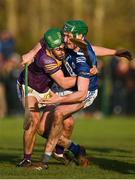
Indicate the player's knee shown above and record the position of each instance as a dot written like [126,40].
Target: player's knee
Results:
[35,121]
[40,130]
[58,116]
[68,124]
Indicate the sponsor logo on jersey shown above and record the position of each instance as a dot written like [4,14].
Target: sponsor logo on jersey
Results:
[80,59]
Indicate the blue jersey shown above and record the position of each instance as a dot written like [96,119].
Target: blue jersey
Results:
[91,55]
[76,64]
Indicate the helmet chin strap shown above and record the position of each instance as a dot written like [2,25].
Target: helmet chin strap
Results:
[79,37]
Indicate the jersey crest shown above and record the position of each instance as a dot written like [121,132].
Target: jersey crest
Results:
[80,59]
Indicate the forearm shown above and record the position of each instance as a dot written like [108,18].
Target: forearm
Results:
[76,97]
[62,81]
[101,51]
[28,57]
[68,82]
[34,51]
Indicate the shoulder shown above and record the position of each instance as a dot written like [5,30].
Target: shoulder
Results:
[89,47]
[44,59]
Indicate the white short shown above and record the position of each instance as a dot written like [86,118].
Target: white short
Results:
[87,102]
[37,95]
[60,92]
[31,92]
[91,96]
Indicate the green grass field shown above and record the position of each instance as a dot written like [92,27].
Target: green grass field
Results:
[110,144]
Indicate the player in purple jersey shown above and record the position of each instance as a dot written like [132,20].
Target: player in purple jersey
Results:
[44,70]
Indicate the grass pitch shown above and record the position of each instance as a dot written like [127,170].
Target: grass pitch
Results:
[110,144]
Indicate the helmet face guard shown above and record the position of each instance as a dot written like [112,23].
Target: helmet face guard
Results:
[76,27]
[53,38]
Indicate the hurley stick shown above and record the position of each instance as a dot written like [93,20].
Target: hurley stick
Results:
[27,119]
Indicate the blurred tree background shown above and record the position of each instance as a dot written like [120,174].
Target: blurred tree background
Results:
[111,22]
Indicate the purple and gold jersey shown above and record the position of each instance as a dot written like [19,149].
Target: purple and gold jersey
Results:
[40,71]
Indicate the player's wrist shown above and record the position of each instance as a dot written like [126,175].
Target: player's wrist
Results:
[60,99]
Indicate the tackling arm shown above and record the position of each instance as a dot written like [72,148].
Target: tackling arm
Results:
[28,57]
[101,51]
[75,97]
[62,81]
[78,96]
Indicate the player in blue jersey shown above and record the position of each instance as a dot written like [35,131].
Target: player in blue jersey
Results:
[81,96]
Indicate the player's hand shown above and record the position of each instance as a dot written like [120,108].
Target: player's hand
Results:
[124,53]
[26,59]
[53,99]
[93,70]
[79,42]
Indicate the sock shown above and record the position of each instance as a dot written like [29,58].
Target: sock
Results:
[59,149]
[27,156]
[46,157]
[74,148]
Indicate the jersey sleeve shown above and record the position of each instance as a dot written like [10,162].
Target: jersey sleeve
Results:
[91,55]
[49,64]
[42,43]
[82,68]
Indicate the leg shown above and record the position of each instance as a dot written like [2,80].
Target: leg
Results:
[29,135]
[68,126]
[60,113]
[44,130]
[46,123]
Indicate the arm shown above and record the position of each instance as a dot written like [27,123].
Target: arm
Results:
[62,81]
[101,51]
[78,96]
[28,57]
[75,97]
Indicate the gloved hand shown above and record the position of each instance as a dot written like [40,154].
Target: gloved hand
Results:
[124,53]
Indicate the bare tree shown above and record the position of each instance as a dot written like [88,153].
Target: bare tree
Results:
[11,12]
[99,13]
[45,15]
[78,9]
[33,18]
